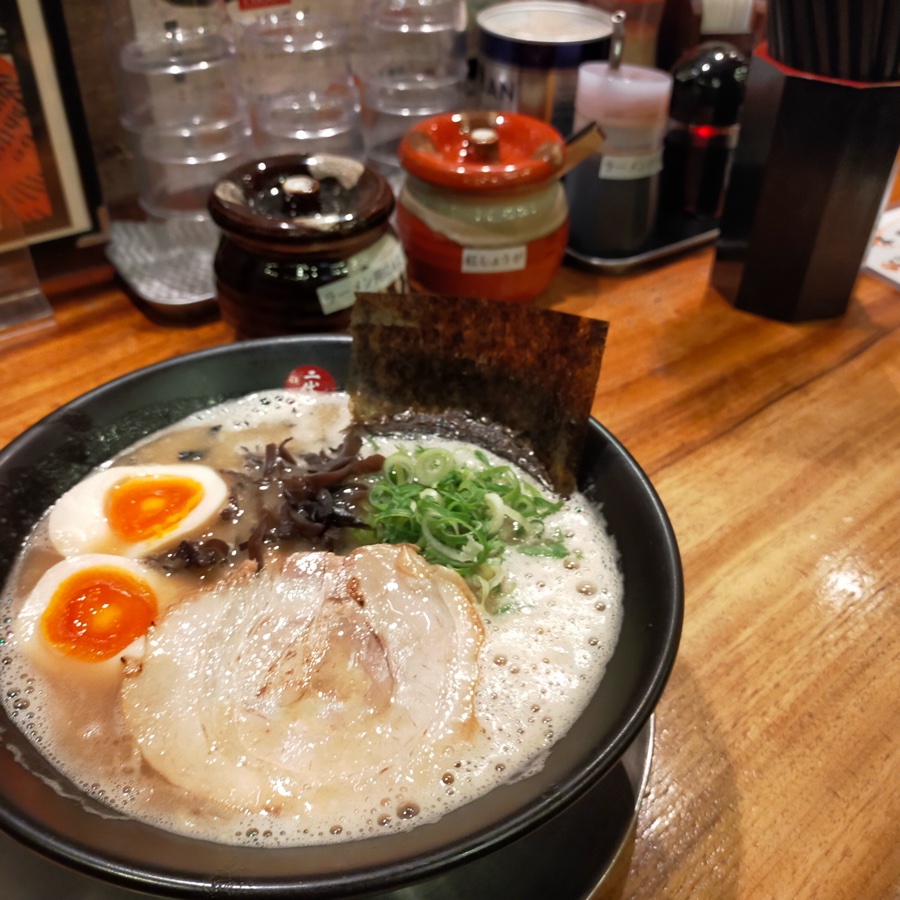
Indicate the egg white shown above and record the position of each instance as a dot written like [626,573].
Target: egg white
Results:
[78,522]
[27,624]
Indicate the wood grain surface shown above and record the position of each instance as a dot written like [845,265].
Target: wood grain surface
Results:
[776,450]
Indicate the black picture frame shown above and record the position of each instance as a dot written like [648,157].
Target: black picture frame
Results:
[47,168]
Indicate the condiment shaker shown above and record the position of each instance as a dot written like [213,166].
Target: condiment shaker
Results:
[613,194]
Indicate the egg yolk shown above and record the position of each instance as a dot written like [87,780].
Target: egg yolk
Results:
[150,506]
[96,613]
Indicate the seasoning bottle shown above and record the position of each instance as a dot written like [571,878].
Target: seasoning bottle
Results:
[703,129]
[613,194]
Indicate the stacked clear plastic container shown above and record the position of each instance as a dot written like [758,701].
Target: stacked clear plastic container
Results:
[204,87]
[299,85]
[411,66]
[182,102]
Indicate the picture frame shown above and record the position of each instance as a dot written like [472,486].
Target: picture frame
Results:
[48,176]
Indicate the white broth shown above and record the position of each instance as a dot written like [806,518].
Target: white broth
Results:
[413,710]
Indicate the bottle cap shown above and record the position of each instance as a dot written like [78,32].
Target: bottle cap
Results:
[709,84]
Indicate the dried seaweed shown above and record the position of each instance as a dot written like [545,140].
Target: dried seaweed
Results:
[531,371]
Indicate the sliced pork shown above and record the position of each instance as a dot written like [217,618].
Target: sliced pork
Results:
[306,681]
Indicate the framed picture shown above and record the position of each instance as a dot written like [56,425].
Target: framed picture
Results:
[47,173]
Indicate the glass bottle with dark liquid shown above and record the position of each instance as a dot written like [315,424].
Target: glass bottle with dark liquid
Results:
[703,130]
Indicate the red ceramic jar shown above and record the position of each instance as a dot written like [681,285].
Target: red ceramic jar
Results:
[300,236]
[482,213]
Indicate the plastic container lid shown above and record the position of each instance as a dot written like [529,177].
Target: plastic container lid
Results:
[301,199]
[628,93]
[482,151]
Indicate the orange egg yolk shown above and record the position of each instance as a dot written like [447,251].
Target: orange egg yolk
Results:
[150,506]
[96,613]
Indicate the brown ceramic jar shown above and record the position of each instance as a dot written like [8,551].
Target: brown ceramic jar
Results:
[300,236]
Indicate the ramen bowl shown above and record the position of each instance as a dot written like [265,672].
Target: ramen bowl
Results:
[42,809]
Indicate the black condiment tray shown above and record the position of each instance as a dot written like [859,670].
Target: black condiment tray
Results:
[670,236]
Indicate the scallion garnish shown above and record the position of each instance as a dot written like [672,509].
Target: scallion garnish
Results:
[461,515]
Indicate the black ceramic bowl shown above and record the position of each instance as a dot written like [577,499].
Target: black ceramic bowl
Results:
[43,810]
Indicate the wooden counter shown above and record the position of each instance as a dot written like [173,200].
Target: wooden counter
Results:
[776,450]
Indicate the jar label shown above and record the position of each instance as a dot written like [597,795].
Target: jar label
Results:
[377,268]
[543,93]
[630,168]
[483,260]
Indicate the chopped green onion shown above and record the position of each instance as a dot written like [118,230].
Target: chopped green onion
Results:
[461,515]
[432,465]
[398,469]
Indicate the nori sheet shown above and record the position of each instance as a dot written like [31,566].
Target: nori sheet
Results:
[532,371]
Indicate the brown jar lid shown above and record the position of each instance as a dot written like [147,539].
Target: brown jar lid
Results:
[301,199]
[482,151]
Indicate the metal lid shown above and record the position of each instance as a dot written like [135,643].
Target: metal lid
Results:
[544,34]
[301,199]
[482,151]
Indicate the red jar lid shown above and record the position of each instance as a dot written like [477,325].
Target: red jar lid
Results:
[482,151]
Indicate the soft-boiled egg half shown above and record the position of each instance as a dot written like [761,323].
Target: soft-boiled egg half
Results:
[93,609]
[136,510]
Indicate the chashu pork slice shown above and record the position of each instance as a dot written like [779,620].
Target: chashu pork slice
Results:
[300,683]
